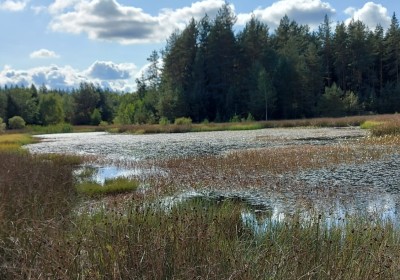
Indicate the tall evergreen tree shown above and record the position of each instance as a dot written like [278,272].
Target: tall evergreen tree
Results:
[341,55]
[392,54]
[220,62]
[86,99]
[325,36]
[177,79]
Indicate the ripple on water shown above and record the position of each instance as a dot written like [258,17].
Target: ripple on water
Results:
[371,188]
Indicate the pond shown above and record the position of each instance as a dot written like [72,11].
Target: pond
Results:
[371,188]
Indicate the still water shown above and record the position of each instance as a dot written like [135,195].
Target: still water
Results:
[371,188]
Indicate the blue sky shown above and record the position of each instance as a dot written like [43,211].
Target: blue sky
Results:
[61,43]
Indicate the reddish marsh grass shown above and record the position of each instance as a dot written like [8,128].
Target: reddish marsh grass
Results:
[36,197]
[41,238]
[260,168]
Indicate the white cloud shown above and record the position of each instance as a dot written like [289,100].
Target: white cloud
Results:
[118,77]
[371,14]
[309,12]
[43,53]
[59,6]
[107,70]
[111,21]
[13,6]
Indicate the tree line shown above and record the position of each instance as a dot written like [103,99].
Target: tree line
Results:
[210,72]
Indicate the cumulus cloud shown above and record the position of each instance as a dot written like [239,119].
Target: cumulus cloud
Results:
[117,77]
[371,14]
[109,20]
[309,12]
[43,53]
[13,6]
[107,70]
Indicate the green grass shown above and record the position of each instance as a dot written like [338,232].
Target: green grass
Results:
[370,124]
[112,186]
[14,142]
[56,128]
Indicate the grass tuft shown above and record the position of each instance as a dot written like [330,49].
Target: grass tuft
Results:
[112,186]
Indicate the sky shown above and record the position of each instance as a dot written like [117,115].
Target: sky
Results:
[61,43]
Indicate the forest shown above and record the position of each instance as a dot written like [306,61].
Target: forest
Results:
[211,72]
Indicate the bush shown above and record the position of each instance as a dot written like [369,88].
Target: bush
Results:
[95,117]
[16,122]
[163,121]
[235,118]
[183,121]
[2,126]
[250,118]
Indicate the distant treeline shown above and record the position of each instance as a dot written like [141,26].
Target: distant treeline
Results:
[211,73]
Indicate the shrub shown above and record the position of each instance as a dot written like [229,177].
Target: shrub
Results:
[95,117]
[2,125]
[103,123]
[235,118]
[250,118]
[16,122]
[163,121]
[183,121]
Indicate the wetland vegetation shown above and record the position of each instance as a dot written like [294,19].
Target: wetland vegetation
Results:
[245,210]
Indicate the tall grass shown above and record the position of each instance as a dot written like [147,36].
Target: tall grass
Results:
[36,197]
[42,235]
[209,240]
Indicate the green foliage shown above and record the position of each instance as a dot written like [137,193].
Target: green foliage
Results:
[16,122]
[112,186]
[163,121]
[95,117]
[183,121]
[331,103]
[370,124]
[250,118]
[54,128]
[3,104]
[235,118]
[51,110]
[85,100]
[103,124]
[350,103]
[2,125]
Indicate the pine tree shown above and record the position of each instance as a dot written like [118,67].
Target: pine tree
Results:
[392,54]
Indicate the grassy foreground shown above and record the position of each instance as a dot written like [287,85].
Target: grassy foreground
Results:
[42,236]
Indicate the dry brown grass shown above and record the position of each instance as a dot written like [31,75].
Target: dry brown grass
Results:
[262,167]
[316,122]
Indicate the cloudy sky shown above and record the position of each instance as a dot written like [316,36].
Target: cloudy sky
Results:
[61,43]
